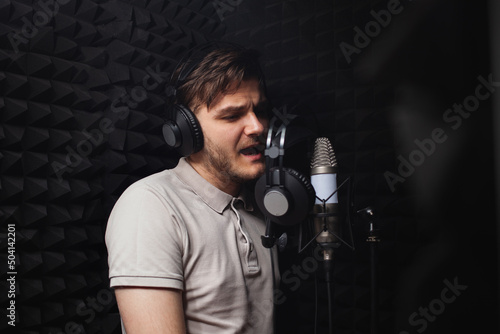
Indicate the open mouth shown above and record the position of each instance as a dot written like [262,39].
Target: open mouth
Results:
[252,150]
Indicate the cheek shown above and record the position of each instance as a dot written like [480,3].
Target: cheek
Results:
[227,137]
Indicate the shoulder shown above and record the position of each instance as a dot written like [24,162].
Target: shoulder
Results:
[160,185]
[145,198]
[157,181]
[147,208]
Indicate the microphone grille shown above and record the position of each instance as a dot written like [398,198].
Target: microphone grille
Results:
[323,160]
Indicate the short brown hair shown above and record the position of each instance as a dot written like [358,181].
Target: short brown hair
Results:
[215,74]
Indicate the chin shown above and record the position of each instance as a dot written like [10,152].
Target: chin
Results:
[258,172]
[251,173]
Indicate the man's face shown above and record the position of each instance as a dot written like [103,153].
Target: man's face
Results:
[233,130]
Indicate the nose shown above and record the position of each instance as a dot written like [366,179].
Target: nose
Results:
[254,125]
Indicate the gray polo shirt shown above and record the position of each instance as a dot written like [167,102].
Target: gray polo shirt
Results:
[173,229]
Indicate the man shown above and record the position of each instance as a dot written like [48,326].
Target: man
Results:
[184,244]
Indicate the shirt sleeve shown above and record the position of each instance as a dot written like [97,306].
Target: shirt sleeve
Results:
[144,241]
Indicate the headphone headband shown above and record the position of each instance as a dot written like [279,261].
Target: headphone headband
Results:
[272,152]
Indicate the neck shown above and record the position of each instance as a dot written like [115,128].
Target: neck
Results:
[215,177]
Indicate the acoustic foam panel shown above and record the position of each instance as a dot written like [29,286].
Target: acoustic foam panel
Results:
[62,170]
[83,74]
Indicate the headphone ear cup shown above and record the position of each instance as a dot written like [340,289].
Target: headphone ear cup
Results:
[183,131]
[288,204]
[306,188]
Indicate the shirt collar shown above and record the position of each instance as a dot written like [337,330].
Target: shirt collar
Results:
[246,196]
[211,195]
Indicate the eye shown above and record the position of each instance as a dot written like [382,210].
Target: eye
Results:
[231,117]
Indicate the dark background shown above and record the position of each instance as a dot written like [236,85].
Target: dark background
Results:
[100,68]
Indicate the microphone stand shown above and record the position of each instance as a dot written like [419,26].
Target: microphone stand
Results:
[373,240]
[328,248]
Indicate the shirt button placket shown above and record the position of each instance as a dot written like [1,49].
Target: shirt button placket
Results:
[248,254]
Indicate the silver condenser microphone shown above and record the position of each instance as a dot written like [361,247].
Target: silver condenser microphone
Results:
[326,208]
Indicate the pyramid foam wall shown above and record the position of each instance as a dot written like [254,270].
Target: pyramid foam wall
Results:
[83,94]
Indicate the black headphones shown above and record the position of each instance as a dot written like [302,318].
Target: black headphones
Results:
[284,195]
[181,130]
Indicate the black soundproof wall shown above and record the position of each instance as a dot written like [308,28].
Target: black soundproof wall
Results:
[83,86]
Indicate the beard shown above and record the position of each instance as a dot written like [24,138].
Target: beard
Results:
[220,164]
